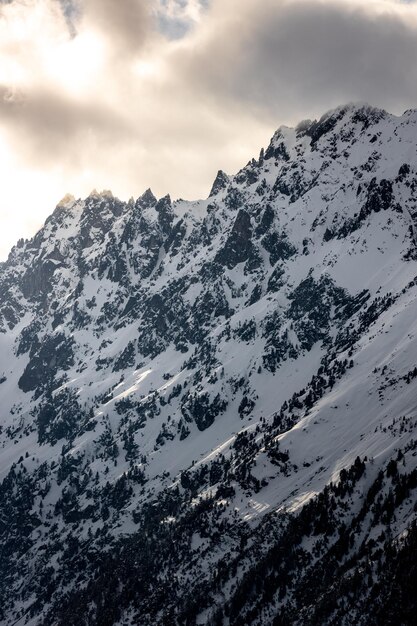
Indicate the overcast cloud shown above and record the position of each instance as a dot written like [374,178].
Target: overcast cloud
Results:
[126,94]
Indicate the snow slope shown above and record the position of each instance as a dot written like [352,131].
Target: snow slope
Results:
[187,385]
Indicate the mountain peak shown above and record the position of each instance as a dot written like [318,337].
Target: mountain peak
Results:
[190,389]
[358,112]
[66,201]
[105,193]
[146,200]
[220,183]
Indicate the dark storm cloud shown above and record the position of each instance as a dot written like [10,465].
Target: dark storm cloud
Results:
[50,126]
[287,58]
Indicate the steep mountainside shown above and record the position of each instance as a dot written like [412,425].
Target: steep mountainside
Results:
[209,409]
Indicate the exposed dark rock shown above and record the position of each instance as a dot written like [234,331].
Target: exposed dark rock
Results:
[266,221]
[278,246]
[165,214]
[220,183]
[52,354]
[36,282]
[238,245]
[146,200]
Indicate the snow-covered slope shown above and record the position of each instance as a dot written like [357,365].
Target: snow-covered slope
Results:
[208,409]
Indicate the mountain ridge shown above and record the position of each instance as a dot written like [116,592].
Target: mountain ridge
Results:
[206,403]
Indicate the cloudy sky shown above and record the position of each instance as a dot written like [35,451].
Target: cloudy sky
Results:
[127,94]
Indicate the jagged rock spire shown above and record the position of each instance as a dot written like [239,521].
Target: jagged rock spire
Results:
[220,182]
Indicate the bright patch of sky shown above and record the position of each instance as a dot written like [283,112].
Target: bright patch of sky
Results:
[175,18]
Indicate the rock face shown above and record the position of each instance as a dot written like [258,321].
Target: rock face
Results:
[238,245]
[208,408]
[220,183]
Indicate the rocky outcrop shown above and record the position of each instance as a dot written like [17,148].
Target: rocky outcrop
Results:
[220,183]
[238,245]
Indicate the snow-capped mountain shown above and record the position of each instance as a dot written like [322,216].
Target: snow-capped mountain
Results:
[209,409]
